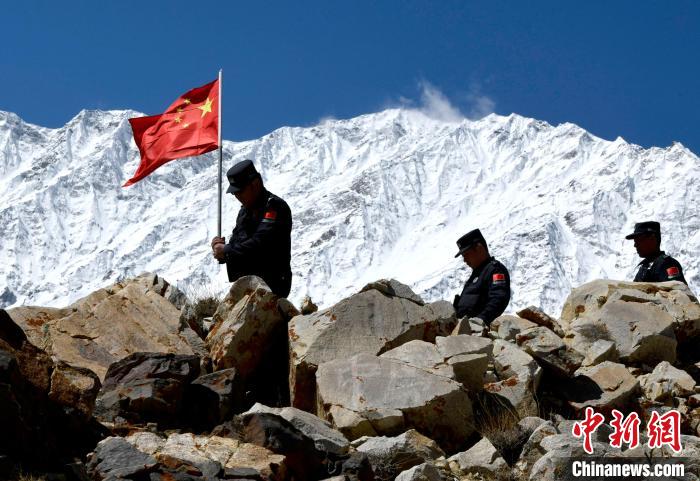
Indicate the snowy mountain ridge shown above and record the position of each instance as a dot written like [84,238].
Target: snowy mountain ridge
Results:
[380,195]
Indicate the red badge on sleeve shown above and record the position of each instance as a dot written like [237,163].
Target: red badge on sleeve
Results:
[498,278]
[672,271]
[270,215]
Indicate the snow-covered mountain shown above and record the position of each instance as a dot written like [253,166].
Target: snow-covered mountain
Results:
[380,195]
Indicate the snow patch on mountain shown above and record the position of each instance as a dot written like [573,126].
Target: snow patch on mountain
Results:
[380,195]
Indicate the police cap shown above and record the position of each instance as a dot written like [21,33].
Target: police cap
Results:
[241,175]
[642,228]
[468,240]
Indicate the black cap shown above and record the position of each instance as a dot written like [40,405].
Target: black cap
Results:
[469,240]
[241,175]
[641,228]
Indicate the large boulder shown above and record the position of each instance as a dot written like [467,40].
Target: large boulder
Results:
[666,382]
[250,334]
[544,345]
[45,406]
[604,387]
[390,456]
[462,358]
[107,325]
[147,387]
[369,395]
[373,321]
[644,320]
[507,326]
[481,459]
[519,377]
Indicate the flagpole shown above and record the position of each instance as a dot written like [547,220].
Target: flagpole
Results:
[221,152]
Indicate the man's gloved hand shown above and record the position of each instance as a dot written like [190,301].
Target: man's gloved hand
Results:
[217,247]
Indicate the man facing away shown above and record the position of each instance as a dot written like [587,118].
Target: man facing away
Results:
[655,266]
[260,244]
[487,291]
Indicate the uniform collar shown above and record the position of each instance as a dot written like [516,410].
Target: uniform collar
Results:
[481,266]
[651,258]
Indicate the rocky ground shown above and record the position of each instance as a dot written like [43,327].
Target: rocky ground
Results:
[136,382]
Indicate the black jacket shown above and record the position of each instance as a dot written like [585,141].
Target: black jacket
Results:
[486,293]
[659,268]
[260,244]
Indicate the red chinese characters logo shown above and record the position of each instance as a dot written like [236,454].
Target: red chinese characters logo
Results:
[663,429]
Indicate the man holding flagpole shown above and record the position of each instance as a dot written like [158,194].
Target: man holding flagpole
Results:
[260,244]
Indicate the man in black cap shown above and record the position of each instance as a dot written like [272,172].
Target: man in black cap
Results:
[656,266]
[260,244]
[487,291]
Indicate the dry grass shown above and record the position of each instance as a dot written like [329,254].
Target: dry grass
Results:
[499,424]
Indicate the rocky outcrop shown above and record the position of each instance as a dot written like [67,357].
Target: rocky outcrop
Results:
[382,317]
[519,377]
[107,325]
[369,395]
[603,387]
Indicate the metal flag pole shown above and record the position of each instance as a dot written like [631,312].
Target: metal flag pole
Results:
[221,153]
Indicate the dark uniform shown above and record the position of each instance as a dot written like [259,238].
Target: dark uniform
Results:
[486,293]
[260,244]
[657,267]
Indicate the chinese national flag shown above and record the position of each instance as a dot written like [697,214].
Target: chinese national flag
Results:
[190,126]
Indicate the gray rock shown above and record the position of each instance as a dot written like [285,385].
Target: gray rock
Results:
[213,398]
[506,327]
[115,458]
[324,436]
[368,395]
[393,288]
[519,376]
[482,458]
[391,455]
[146,387]
[422,472]
[544,345]
[604,386]
[369,322]
[601,350]
[666,382]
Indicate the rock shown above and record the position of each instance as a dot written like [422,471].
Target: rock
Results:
[544,345]
[559,449]
[245,323]
[462,358]
[422,472]
[601,350]
[603,387]
[74,387]
[102,327]
[209,456]
[462,327]
[665,382]
[325,438]
[146,387]
[369,322]
[506,327]
[194,312]
[520,376]
[44,406]
[539,317]
[287,309]
[308,306]
[387,397]
[482,458]
[390,456]
[393,288]
[175,296]
[213,398]
[643,319]
[532,450]
[115,458]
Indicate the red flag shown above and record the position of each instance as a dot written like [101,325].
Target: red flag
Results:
[190,126]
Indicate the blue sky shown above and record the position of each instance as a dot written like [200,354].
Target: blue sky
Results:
[627,68]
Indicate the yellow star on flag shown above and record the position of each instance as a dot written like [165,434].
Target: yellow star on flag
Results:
[179,109]
[185,125]
[205,107]
[187,101]
[178,119]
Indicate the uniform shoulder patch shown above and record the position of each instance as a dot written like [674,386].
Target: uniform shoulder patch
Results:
[270,215]
[498,278]
[672,271]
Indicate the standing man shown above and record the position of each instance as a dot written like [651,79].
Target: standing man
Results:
[487,291]
[655,266]
[260,244]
